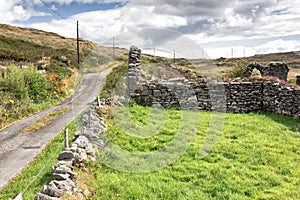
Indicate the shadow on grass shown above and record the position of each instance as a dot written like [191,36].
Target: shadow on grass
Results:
[292,123]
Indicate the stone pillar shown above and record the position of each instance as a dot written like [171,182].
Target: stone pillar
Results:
[298,79]
[134,69]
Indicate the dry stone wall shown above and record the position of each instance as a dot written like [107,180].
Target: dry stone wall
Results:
[237,97]
[298,79]
[82,149]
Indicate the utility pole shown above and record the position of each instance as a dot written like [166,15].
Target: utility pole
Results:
[114,53]
[174,56]
[78,51]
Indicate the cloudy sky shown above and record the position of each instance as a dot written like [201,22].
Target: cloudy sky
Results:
[220,27]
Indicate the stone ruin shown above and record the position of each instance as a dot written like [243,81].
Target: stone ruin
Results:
[236,97]
[279,70]
[298,79]
[134,68]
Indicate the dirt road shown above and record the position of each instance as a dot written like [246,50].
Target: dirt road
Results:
[17,149]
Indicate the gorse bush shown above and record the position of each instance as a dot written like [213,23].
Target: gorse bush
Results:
[25,84]
[238,69]
[24,91]
[21,90]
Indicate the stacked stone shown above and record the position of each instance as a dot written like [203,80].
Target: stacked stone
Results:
[249,69]
[244,97]
[79,151]
[203,96]
[134,68]
[63,176]
[279,70]
[154,94]
[298,79]
[230,97]
[281,99]
[217,97]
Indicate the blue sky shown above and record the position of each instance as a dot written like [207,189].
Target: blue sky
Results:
[220,27]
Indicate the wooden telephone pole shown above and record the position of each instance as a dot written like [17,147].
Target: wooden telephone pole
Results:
[114,52]
[78,51]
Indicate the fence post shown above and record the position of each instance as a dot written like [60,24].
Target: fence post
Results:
[99,102]
[18,197]
[66,138]
[90,120]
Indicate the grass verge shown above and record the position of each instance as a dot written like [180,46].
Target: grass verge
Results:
[49,155]
[256,157]
[42,122]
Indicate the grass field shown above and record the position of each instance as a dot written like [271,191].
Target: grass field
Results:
[255,157]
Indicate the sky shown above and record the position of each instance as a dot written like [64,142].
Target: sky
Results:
[191,28]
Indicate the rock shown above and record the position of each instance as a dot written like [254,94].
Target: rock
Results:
[90,150]
[64,163]
[52,191]
[40,196]
[66,185]
[78,133]
[77,158]
[60,177]
[65,170]
[82,155]
[82,141]
[66,155]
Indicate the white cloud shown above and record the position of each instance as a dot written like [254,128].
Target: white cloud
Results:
[103,25]
[278,46]
[202,21]
[67,2]
[273,46]
[15,10]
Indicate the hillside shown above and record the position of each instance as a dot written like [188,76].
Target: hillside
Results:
[23,89]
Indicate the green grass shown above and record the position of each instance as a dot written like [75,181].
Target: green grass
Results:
[113,78]
[49,154]
[256,157]
[43,121]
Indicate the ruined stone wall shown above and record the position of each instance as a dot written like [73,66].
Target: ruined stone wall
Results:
[230,97]
[279,70]
[133,68]
[226,97]
[298,79]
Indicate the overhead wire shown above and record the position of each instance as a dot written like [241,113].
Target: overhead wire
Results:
[53,10]
[68,20]
[82,28]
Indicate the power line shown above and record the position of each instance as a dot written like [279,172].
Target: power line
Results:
[66,19]
[54,11]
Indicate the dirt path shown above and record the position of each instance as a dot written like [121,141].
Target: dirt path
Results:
[17,149]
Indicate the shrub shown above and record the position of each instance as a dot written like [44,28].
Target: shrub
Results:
[37,85]
[238,69]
